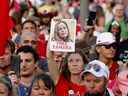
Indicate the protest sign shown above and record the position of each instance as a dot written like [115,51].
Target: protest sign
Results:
[62,35]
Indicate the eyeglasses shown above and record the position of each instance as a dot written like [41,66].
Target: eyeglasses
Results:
[33,42]
[95,67]
[113,45]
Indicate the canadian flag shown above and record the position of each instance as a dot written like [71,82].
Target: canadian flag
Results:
[4,21]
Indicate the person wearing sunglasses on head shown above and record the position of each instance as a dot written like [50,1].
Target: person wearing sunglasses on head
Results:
[106,49]
[95,77]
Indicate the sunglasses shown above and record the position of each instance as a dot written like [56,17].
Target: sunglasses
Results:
[113,45]
[95,67]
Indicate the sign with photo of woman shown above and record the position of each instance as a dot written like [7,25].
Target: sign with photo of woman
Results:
[62,35]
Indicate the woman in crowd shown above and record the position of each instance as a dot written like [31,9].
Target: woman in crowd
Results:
[69,77]
[6,87]
[116,30]
[42,85]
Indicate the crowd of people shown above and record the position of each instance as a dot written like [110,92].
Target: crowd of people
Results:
[97,67]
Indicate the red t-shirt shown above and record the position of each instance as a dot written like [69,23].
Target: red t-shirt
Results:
[63,86]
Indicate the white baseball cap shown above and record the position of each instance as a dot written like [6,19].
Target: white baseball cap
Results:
[97,68]
[105,38]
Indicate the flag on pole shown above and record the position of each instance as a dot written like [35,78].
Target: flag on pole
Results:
[4,20]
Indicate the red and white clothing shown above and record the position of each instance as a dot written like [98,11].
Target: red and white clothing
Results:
[63,86]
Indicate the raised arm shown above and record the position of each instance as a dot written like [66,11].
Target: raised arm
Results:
[53,66]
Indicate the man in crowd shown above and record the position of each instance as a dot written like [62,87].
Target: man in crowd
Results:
[7,62]
[31,39]
[28,60]
[95,77]
[106,49]
[30,26]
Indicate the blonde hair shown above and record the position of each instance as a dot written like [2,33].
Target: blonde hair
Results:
[56,31]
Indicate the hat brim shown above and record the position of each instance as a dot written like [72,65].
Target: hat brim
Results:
[98,74]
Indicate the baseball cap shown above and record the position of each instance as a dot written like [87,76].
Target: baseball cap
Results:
[105,38]
[97,68]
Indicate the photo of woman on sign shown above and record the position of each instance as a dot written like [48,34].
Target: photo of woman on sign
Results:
[62,35]
[61,32]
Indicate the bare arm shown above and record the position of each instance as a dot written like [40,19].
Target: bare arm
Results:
[53,68]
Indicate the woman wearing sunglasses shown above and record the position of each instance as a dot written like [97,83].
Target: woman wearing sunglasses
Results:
[95,77]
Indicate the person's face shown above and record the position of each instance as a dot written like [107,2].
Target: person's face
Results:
[107,51]
[94,84]
[119,11]
[39,89]
[5,59]
[29,27]
[46,20]
[30,40]
[62,31]
[31,12]
[27,64]
[75,63]
[3,90]
[115,29]
[25,14]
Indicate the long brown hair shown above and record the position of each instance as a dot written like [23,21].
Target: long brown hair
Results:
[65,70]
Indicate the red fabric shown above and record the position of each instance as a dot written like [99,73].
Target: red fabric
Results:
[41,46]
[16,6]
[78,28]
[113,74]
[113,71]
[63,86]
[11,23]
[4,20]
